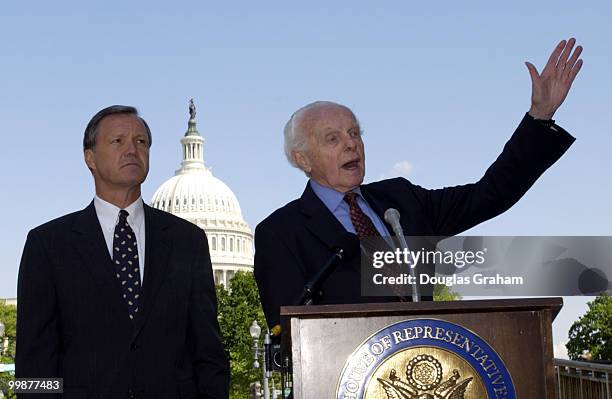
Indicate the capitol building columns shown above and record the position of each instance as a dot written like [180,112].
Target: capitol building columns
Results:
[194,194]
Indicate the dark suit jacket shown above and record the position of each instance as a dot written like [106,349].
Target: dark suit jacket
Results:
[295,241]
[72,321]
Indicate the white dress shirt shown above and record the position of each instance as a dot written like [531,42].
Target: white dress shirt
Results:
[108,216]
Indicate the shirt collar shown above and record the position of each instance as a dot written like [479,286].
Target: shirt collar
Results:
[330,197]
[108,214]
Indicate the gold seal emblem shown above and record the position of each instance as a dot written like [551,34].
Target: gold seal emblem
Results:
[428,373]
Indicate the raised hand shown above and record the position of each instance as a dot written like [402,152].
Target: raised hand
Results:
[549,89]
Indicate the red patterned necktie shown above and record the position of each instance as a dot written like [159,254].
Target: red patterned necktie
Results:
[362,223]
[365,228]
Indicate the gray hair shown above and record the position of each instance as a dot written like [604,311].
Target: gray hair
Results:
[295,139]
[89,137]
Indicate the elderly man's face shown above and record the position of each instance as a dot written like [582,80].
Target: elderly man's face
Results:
[120,158]
[335,157]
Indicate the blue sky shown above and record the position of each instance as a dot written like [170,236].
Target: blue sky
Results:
[438,88]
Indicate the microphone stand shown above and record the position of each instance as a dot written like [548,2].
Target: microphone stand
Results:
[392,216]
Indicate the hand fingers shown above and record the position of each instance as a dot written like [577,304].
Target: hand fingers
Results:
[533,72]
[574,71]
[554,57]
[565,54]
[572,61]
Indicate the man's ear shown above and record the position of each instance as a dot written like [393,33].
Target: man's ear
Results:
[90,159]
[302,161]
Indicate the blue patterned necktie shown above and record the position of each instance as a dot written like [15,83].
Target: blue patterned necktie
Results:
[125,258]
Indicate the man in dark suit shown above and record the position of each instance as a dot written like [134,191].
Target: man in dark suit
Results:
[323,139]
[118,299]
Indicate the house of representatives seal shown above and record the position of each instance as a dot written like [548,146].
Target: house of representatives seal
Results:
[424,359]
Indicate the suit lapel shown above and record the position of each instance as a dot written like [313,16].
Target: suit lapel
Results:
[91,247]
[320,221]
[157,252]
[377,207]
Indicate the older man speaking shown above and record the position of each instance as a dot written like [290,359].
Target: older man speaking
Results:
[323,139]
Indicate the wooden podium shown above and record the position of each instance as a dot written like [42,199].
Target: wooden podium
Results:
[321,339]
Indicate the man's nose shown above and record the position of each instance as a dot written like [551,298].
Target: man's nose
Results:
[350,142]
[130,148]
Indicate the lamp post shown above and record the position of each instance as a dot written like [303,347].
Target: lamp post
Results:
[255,390]
[255,331]
[2,329]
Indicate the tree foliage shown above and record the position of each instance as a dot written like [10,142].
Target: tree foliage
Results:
[590,337]
[8,316]
[443,293]
[238,307]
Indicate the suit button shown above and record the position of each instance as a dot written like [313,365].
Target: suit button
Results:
[131,394]
[134,346]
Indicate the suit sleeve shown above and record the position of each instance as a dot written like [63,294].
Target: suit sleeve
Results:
[210,362]
[278,272]
[531,150]
[38,336]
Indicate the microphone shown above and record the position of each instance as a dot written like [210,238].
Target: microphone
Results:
[345,248]
[392,217]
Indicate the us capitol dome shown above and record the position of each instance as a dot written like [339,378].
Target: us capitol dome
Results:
[194,194]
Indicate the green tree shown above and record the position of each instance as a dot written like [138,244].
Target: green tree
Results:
[591,336]
[8,316]
[238,307]
[443,293]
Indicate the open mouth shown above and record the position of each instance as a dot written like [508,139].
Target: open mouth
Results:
[352,164]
